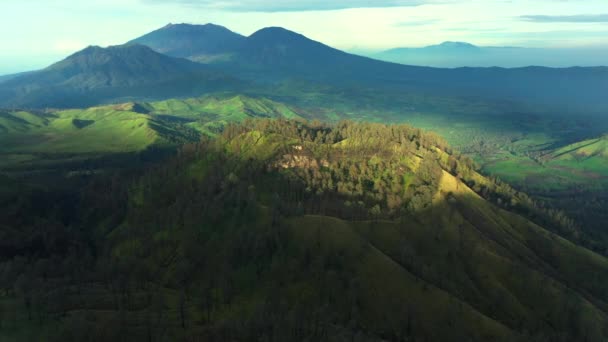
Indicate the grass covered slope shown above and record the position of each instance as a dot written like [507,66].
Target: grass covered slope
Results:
[286,230]
[211,113]
[63,135]
[37,137]
[589,156]
[583,163]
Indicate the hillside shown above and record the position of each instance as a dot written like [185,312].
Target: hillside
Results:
[585,151]
[289,230]
[211,113]
[567,166]
[31,138]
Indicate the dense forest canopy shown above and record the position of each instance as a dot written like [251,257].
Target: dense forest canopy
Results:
[294,230]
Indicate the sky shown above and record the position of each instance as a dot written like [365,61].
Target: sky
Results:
[36,33]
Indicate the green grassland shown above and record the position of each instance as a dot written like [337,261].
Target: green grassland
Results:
[39,138]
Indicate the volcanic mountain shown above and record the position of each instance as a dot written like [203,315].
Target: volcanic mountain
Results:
[198,42]
[96,75]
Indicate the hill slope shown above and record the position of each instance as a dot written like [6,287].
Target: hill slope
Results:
[31,137]
[583,150]
[294,231]
[371,220]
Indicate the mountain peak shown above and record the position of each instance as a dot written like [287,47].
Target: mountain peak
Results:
[185,27]
[133,60]
[452,43]
[124,51]
[455,45]
[188,40]
[276,33]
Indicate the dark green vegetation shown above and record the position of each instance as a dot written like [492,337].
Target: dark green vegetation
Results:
[519,148]
[287,230]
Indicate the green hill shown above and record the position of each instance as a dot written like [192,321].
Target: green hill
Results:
[210,114]
[287,230]
[125,128]
[589,157]
[64,135]
[371,220]
[583,163]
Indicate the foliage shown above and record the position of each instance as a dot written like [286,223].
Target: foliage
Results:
[292,230]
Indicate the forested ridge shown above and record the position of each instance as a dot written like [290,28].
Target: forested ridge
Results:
[291,230]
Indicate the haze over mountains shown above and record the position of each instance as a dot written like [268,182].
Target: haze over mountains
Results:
[461,54]
[274,55]
[112,74]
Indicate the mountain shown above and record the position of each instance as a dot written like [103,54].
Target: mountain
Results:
[446,54]
[460,54]
[95,75]
[453,47]
[289,230]
[276,46]
[4,78]
[204,43]
[273,56]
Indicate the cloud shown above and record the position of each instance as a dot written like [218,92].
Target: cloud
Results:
[295,5]
[417,22]
[579,18]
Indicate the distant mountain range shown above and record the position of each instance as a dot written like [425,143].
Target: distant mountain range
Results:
[461,54]
[275,55]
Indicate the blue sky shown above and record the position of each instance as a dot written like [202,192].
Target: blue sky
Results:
[35,33]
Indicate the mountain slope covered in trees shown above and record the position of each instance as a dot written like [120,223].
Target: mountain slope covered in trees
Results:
[288,230]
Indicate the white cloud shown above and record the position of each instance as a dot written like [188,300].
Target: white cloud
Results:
[297,5]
